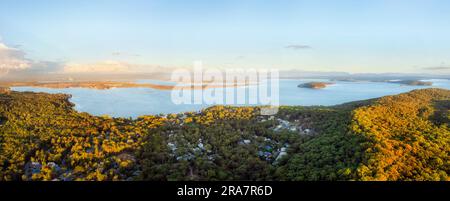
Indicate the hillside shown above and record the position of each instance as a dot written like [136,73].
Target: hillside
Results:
[401,137]
[408,136]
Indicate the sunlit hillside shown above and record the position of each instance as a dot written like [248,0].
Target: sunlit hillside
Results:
[401,137]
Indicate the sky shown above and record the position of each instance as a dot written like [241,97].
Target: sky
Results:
[372,36]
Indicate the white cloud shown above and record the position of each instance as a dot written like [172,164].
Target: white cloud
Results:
[12,59]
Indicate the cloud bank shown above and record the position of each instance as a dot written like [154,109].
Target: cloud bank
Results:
[99,67]
[112,67]
[12,59]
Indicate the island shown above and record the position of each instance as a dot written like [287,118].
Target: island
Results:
[412,82]
[315,85]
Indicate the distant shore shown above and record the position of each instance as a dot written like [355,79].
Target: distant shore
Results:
[102,85]
[108,84]
[412,82]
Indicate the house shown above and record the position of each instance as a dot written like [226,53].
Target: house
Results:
[172,146]
[285,125]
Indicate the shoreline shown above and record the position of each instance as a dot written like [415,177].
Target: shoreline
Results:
[104,85]
[338,105]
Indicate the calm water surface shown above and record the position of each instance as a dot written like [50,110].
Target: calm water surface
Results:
[134,102]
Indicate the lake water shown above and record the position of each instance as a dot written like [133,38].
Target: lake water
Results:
[134,102]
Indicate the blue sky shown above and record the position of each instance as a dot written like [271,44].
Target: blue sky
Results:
[347,35]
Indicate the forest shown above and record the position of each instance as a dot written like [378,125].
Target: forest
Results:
[393,138]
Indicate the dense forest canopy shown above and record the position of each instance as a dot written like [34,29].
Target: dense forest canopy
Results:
[401,137]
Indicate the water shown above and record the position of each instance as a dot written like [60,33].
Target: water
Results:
[135,102]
